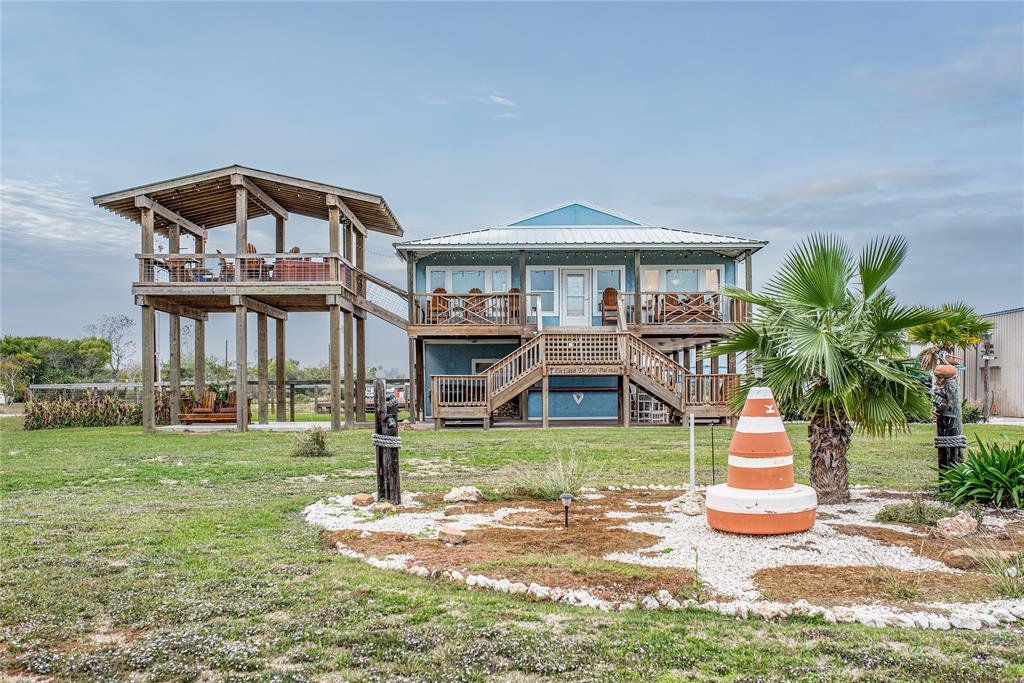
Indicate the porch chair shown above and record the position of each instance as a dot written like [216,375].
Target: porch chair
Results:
[255,268]
[437,306]
[227,269]
[610,306]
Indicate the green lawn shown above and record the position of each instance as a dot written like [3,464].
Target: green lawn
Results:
[179,556]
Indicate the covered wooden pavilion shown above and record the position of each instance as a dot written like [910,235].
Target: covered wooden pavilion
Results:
[196,283]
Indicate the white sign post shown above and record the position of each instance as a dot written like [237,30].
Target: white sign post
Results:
[693,462]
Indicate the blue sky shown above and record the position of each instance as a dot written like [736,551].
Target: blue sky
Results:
[760,120]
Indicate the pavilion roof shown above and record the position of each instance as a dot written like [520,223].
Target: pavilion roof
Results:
[208,199]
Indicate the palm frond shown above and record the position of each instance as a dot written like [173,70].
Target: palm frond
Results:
[879,261]
[815,274]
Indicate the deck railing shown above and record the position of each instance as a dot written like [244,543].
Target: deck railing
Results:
[458,391]
[648,360]
[484,308]
[684,308]
[200,269]
[711,389]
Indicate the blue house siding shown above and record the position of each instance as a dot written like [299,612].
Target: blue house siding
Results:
[574,214]
[595,405]
[456,358]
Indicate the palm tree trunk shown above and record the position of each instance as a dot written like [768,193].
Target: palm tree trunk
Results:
[830,442]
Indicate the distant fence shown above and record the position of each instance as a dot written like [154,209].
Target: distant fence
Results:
[303,391]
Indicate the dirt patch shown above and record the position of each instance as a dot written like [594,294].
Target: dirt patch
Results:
[830,586]
[935,548]
[544,552]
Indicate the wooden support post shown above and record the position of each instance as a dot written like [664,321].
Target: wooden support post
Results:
[412,401]
[280,364]
[199,353]
[148,375]
[421,380]
[523,298]
[360,388]
[241,369]
[335,365]
[279,235]
[263,367]
[544,401]
[291,402]
[637,284]
[750,270]
[174,336]
[350,403]
[624,405]
[241,232]
[334,238]
[386,425]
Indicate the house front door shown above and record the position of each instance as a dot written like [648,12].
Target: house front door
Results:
[576,297]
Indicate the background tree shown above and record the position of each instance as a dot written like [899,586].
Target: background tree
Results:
[15,375]
[961,328]
[119,332]
[61,361]
[833,343]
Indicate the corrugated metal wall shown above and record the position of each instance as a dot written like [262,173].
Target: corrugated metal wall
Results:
[1007,373]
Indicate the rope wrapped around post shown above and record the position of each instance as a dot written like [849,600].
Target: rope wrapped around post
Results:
[950,441]
[386,443]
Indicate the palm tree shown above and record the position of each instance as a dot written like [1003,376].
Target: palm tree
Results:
[833,345]
[960,329]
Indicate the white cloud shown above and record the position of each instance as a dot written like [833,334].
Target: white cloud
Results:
[500,101]
[58,213]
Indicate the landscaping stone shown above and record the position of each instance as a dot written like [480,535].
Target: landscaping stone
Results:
[538,592]
[384,507]
[691,504]
[844,615]
[975,556]
[663,596]
[968,622]
[954,527]
[452,510]
[938,622]
[900,621]
[517,588]
[363,499]
[451,535]
[464,494]
[650,603]
[673,605]
[457,576]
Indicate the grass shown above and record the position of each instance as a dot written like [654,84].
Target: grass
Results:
[917,511]
[178,556]
[565,473]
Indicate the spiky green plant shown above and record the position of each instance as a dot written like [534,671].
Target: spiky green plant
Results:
[992,475]
[833,343]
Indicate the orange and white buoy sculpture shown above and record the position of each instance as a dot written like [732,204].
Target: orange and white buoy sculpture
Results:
[760,496]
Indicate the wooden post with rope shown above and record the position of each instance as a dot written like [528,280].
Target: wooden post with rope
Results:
[949,430]
[387,443]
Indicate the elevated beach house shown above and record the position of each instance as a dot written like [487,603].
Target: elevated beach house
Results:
[575,313]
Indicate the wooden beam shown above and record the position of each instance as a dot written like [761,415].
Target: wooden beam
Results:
[263,367]
[335,200]
[750,270]
[199,355]
[257,306]
[334,238]
[638,282]
[361,334]
[334,353]
[410,400]
[170,307]
[544,401]
[148,246]
[522,288]
[350,398]
[241,231]
[241,369]
[174,361]
[144,202]
[280,361]
[279,235]
[237,179]
[148,375]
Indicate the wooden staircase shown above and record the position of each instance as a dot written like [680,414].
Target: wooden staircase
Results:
[576,353]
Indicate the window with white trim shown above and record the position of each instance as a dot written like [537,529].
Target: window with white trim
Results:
[605,277]
[461,279]
[544,281]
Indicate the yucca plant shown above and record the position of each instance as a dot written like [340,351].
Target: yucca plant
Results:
[833,343]
[992,475]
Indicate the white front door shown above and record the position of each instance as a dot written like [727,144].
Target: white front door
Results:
[576,297]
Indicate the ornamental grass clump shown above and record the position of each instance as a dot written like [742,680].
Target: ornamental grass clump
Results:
[991,475]
[565,473]
[917,511]
[312,444]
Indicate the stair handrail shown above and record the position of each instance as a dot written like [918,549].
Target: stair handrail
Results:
[511,368]
[666,371]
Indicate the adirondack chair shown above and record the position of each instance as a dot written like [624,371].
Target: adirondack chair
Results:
[513,305]
[437,306]
[255,268]
[610,306]
[227,269]
[475,306]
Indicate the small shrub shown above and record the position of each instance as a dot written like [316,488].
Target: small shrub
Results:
[917,511]
[312,444]
[991,475]
[970,413]
[565,473]
[898,585]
